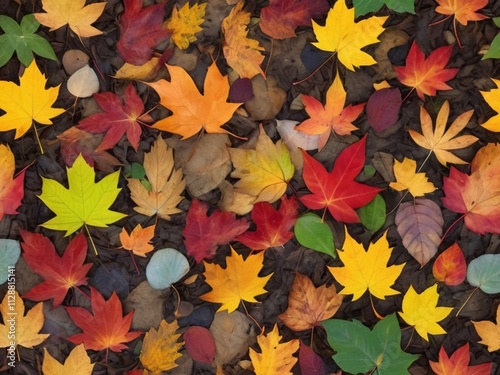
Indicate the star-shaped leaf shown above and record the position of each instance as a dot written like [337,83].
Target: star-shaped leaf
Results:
[462,11]
[160,348]
[458,363]
[489,332]
[185,23]
[138,241]
[407,178]
[77,363]
[492,97]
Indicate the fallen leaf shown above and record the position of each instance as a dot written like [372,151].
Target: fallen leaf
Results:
[407,177]
[458,363]
[295,139]
[11,189]
[310,362]
[77,363]
[139,240]
[200,344]
[491,97]
[314,233]
[166,266]
[372,6]
[234,201]
[489,332]
[10,251]
[185,23]
[382,108]
[450,266]
[462,11]
[83,83]
[484,272]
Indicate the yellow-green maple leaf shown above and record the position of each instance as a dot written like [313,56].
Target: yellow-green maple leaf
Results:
[28,102]
[185,23]
[408,178]
[492,97]
[77,363]
[341,34]
[84,202]
[366,270]
[421,311]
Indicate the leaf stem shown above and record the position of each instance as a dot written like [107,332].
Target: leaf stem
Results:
[176,312]
[374,310]
[135,263]
[251,317]
[315,70]
[91,239]
[451,226]
[409,340]
[465,303]
[38,139]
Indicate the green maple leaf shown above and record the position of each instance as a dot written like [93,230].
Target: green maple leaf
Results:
[369,6]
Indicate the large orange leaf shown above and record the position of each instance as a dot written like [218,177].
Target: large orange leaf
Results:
[463,11]
[11,189]
[458,363]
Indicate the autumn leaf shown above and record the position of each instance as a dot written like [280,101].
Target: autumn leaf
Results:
[185,23]
[421,311]
[238,282]
[28,102]
[337,190]
[27,327]
[310,362]
[201,112]
[138,241]
[167,183]
[308,305]
[440,141]
[160,348]
[84,203]
[273,226]
[366,270]
[73,13]
[11,189]
[77,362]
[407,177]
[106,328]
[264,172]
[492,98]
[341,34]
[200,344]
[462,11]
[426,76]
[489,332]
[276,357]
[242,53]
[450,266]
[369,6]
[333,117]
[60,272]
[458,363]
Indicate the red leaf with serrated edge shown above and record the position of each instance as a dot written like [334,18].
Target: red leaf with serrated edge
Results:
[141,30]
[202,233]
[450,266]
[337,190]
[281,17]
[273,226]
[60,273]
[310,363]
[426,76]
[458,363]
[200,344]
[106,328]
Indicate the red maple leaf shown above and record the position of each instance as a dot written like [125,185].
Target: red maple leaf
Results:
[458,363]
[273,226]
[11,194]
[141,30]
[202,233]
[337,190]
[120,117]
[106,328]
[281,17]
[426,75]
[60,273]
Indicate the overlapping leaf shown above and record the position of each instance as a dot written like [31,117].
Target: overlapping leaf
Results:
[77,363]
[407,177]
[138,241]
[11,189]
[489,332]
[458,363]
[450,266]
[462,11]
[185,23]
[492,98]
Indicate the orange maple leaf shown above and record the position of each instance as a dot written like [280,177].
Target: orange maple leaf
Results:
[138,241]
[462,10]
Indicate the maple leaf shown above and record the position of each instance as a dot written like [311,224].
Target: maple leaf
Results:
[141,30]
[106,328]
[491,97]
[84,202]
[476,196]
[160,348]
[185,23]
[458,363]
[281,17]
[60,272]
[407,178]
[11,189]
[366,270]
[28,102]
[275,357]
[239,281]
[263,172]
[73,13]
[421,311]
[138,241]
[120,117]
[77,362]
[202,233]
[489,332]
[208,111]
[341,34]
[27,327]
[333,117]
[308,305]
[243,54]
[426,76]
[462,11]
[440,141]
[337,190]
[166,182]
[273,226]
[450,266]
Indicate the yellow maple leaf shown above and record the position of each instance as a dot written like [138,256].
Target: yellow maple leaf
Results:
[77,363]
[421,311]
[185,23]
[263,172]
[167,183]
[275,357]
[193,111]
[74,13]
[239,281]
[341,34]
[243,54]
[407,178]
[366,270]
[138,241]
[492,97]
[489,332]
[440,141]
[28,102]
[26,328]
[160,348]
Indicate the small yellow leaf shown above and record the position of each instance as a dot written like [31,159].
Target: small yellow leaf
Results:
[77,363]
[138,241]
[407,178]
[489,332]
[145,72]
[492,97]
[185,23]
